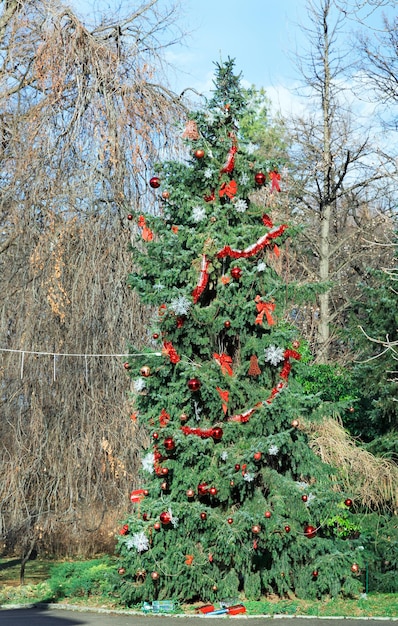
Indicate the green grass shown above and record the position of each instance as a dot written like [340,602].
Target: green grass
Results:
[84,583]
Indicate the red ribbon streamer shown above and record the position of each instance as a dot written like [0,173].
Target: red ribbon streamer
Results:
[285,371]
[199,432]
[203,280]
[244,417]
[265,240]
[275,178]
[225,362]
[170,351]
[137,495]
[224,395]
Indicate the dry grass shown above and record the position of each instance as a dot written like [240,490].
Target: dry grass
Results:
[372,480]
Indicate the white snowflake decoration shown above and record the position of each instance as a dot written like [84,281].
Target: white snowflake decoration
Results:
[148,462]
[274,355]
[180,305]
[240,205]
[251,148]
[273,450]
[139,541]
[248,477]
[139,384]
[224,455]
[208,173]
[173,520]
[310,498]
[261,266]
[302,485]
[198,213]
[158,286]
[244,178]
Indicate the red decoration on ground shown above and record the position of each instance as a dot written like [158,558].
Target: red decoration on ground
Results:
[310,531]
[154,182]
[194,384]
[259,178]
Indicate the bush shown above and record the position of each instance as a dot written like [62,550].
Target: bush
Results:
[81,578]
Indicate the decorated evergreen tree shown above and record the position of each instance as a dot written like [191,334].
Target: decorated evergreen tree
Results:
[231,499]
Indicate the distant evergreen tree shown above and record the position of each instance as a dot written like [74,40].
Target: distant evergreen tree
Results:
[230,498]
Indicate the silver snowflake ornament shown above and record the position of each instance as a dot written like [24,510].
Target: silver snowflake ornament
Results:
[274,355]
[139,541]
[180,305]
[273,450]
[198,213]
[139,384]
[240,205]
[148,462]
[261,266]
[248,477]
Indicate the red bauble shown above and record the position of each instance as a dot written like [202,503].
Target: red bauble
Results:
[190,493]
[310,531]
[296,344]
[155,575]
[155,435]
[165,471]
[213,491]
[164,486]
[146,492]
[121,571]
[351,409]
[129,217]
[183,417]
[166,195]
[203,515]
[236,273]
[126,366]
[267,514]
[295,423]
[217,433]
[156,526]
[165,517]
[145,371]
[194,384]
[145,517]
[257,456]
[287,528]
[348,502]
[355,568]
[214,588]
[315,573]
[202,489]
[230,520]
[304,498]
[237,467]
[155,336]
[199,154]
[260,178]
[256,529]
[154,182]
[169,443]
[227,324]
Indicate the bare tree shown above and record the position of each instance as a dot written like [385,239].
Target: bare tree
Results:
[83,115]
[342,186]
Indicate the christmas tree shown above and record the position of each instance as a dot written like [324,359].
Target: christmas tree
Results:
[231,500]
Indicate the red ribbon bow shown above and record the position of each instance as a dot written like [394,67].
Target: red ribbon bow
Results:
[275,178]
[264,308]
[225,361]
[147,234]
[164,418]
[170,351]
[228,189]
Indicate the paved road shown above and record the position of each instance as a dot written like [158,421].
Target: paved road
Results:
[42,616]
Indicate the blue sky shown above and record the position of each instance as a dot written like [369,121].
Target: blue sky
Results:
[262,36]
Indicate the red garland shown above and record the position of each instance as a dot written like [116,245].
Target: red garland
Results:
[225,362]
[244,417]
[285,371]
[229,165]
[203,280]
[265,240]
[170,351]
[199,432]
